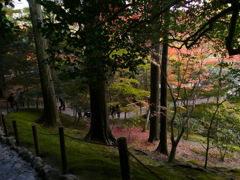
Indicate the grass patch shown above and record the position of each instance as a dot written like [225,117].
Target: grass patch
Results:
[86,160]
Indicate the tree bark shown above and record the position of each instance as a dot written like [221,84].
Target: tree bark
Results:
[99,129]
[162,147]
[2,82]
[218,104]
[154,97]
[146,122]
[50,116]
[173,152]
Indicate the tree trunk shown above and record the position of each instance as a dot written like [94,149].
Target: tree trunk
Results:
[99,129]
[154,97]
[146,122]
[2,82]
[218,104]
[162,147]
[173,152]
[50,116]
[187,130]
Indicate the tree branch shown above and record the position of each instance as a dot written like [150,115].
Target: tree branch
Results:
[202,31]
[231,32]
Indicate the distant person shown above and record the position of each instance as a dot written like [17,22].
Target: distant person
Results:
[113,111]
[148,99]
[62,104]
[87,113]
[118,110]
[11,101]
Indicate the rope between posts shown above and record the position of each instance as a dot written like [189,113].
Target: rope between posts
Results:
[73,137]
[88,141]
[25,129]
[48,134]
[152,172]
[39,132]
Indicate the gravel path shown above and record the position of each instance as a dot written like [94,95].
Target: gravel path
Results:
[12,167]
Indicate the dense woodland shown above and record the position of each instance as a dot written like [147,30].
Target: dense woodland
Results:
[176,60]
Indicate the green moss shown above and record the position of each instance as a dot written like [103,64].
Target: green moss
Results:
[209,177]
[91,161]
[196,138]
[236,148]
[236,170]
[86,160]
[199,175]
[198,151]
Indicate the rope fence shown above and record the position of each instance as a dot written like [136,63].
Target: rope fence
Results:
[124,152]
[152,172]
[51,134]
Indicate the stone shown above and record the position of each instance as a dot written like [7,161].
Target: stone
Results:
[44,170]
[37,163]
[53,174]
[36,159]
[13,147]
[29,156]
[23,152]
[18,149]
[14,167]
[68,177]
[4,139]
[10,140]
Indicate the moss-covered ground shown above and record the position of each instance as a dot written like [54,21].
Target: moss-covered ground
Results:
[98,162]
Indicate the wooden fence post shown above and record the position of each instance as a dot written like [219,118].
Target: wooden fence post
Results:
[63,151]
[35,138]
[124,161]
[14,122]
[4,125]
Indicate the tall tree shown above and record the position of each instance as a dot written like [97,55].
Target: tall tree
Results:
[154,97]
[3,51]
[7,30]
[219,103]
[82,33]
[50,116]
[188,68]
[162,147]
[96,38]
[89,32]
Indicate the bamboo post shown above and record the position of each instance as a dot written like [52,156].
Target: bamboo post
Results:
[35,138]
[63,151]
[15,132]
[124,161]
